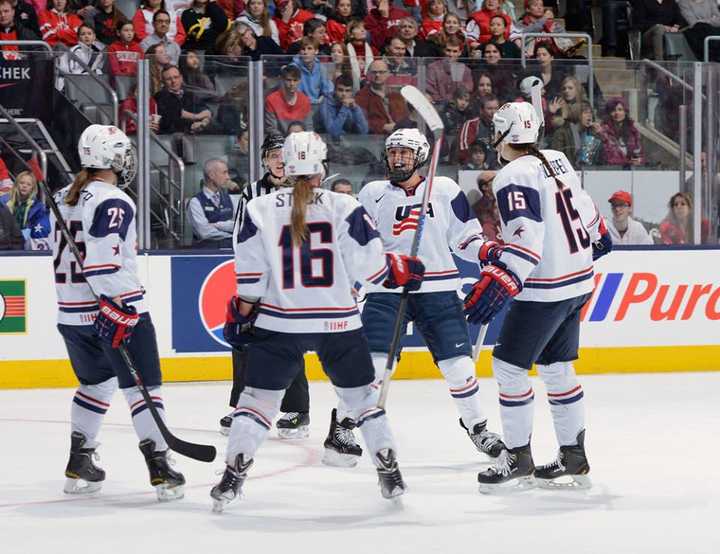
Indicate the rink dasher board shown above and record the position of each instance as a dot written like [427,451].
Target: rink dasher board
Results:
[651,311]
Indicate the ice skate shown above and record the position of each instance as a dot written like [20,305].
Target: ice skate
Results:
[569,470]
[389,476]
[485,441]
[230,486]
[83,476]
[513,471]
[294,425]
[225,424]
[341,448]
[168,483]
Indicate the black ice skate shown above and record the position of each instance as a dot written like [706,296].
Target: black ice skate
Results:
[513,471]
[389,476]
[168,483]
[485,441]
[294,425]
[569,470]
[341,448]
[230,486]
[83,476]
[226,423]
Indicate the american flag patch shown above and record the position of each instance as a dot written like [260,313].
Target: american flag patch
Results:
[409,223]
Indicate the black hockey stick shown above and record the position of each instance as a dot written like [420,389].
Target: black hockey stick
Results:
[426,110]
[201,452]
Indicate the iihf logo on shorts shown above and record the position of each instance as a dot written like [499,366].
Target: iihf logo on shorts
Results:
[407,218]
[215,292]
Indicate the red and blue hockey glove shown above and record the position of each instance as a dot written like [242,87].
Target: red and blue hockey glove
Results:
[114,324]
[404,271]
[490,252]
[604,244]
[238,330]
[490,293]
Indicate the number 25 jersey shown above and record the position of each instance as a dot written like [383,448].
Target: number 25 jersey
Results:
[548,228]
[102,224]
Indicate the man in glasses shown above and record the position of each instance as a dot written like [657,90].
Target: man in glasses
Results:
[623,228]
[161,26]
[383,108]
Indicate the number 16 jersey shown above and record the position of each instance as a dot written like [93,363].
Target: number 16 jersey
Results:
[548,228]
[102,224]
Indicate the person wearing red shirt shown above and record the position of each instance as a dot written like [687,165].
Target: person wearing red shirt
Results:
[144,18]
[478,26]
[433,17]
[125,53]
[384,109]
[382,22]
[57,25]
[290,20]
[338,21]
[287,104]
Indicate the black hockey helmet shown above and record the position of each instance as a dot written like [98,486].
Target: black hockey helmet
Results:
[273,141]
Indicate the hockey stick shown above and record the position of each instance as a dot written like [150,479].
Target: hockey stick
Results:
[201,452]
[478,346]
[426,110]
[536,97]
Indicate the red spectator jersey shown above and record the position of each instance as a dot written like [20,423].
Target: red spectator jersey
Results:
[124,57]
[275,103]
[382,29]
[292,31]
[55,27]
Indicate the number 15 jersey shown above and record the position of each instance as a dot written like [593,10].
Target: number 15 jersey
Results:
[102,224]
[548,228]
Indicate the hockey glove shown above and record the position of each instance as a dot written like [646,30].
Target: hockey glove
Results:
[238,330]
[604,244]
[490,293]
[114,324]
[403,271]
[490,252]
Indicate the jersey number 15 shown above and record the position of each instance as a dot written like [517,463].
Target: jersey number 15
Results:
[569,216]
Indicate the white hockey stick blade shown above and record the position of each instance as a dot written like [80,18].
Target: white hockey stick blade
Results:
[536,97]
[478,346]
[423,106]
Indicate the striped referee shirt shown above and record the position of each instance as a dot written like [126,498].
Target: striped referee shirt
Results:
[260,187]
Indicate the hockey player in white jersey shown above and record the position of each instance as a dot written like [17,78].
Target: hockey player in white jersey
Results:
[435,308]
[552,233]
[101,218]
[297,254]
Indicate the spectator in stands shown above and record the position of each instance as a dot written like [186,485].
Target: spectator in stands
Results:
[444,76]
[342,186]
[339,114]
[579,139]
[383,109]
[485,86]
[239,161]
[434,13]
[180,110]
[10,236]
[125,53]
[478,25]
[501,72]
[315,30]
[551,75]
[106,20]
[26,16]
[144,23]
[58,25]
[622,228]
[456,112]
[451,26]
[228,52]
[478,157]
[338,20]
[255,46]
[204,22]
[161,26]
[86,55]
[486,208]
[339,61]
[537,18]
[211,211]
[287,103]
[382,22]
[158,61]
[703,17]
[295,127]
[6,183]
[257,17]
[678,226]
[403,69]
[621,139]
[654,18]
[313,81]
[415,46]
[290,20]
[360,53]
[29,211]
[129,109]
[479,129]
[11,30]
[194,78]
[498,34]
[567,106]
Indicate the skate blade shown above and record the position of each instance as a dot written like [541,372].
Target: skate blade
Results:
[167,493]
[566,482]
[509,487]
[395,495]
[80,486]
[301,432]
[220,503]
[334,458]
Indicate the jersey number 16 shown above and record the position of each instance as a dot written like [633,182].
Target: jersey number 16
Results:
[307,255]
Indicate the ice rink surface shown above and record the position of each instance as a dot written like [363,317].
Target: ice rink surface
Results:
[653,443]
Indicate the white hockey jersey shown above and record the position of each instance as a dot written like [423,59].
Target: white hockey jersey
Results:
[307,289]
[548,230]
[103,226]
[450,224]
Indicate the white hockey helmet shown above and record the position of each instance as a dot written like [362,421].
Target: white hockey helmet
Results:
[516,123]
[527,84]
[304,153]
[407,138]
[107,147]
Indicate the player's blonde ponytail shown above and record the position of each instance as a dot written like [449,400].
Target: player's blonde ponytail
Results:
[302,194]
[80,182]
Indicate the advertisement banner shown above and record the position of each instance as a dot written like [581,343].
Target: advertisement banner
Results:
[26,83]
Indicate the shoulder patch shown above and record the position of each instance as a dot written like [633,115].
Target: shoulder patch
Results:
[361,227]
[112,217]
[461,207]
[518,201]
[248,229]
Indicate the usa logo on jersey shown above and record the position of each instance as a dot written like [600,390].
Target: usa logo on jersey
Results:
[407,218]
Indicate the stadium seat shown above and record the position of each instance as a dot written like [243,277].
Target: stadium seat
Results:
[677,48]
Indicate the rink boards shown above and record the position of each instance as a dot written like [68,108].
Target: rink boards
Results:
[651,311]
